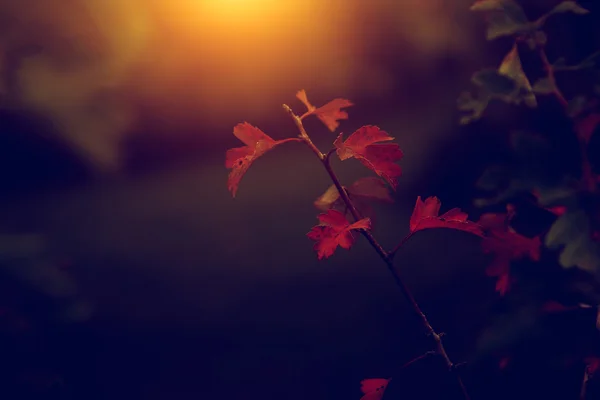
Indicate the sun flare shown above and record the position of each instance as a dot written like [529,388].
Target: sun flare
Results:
[236,10]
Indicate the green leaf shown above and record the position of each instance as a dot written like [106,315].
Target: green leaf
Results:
[494,82]
[511,66]
[566,227]
[476,107]
[555,196]
[494,177]
[544,86]
[537,39]
[568,6]
[572,230]
[591,61]
[505,17]
[515,187]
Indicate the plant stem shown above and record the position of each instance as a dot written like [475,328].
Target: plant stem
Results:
[400,244]
[586,378]
[550,75]
[588,177]
[385,256]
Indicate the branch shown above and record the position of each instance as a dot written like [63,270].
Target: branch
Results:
[400,244]
[414,360]
[385,256]
[584,383]
[550,75]
[588,176]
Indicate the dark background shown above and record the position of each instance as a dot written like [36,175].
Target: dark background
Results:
[114,123]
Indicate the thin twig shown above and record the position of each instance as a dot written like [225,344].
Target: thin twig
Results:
[586,378]
[588,176]
[385,256]
[414,360]
[400,244]
[550,75]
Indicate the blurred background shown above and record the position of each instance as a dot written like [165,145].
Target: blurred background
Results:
[128,271]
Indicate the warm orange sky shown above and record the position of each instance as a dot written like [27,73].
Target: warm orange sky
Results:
[188,58]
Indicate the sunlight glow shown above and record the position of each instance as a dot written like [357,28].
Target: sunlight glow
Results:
[227,54]
[239,9]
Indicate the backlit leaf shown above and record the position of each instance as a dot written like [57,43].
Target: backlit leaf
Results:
[240,159]
[364,145]
[425,216]
[329,114]
[334,230]
[505,245]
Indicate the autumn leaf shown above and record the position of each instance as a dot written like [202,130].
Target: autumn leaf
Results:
[506,245]
[333,231]
[425,216]
[364,145]
[329,114]
[361,193]
[239,159]
[373,389]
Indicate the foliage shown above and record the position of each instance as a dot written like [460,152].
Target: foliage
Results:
[533,177]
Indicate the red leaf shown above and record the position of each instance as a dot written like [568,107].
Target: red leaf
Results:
[379,157]
[329,114]
[239,159]
[506,245]
[425,216]
[333,231]
[373,389]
